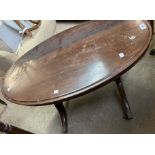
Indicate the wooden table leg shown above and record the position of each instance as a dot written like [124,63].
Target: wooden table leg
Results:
[152,26]
[125,105]
[152,52]
[12,129]
[2,102]
[6,128]
[15,130]
[61,109]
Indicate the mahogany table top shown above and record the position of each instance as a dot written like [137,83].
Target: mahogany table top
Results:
[76,61]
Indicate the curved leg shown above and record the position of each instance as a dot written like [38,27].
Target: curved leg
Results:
[152,52]
[125,105]
[5,127]
[61,109]
[152,26]
[2,102]
[12,129]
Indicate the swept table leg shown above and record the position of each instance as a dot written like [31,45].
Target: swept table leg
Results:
[152,52]
[12,129]
[152,26]
[61,109]
[9,128]
[125,105]
[2,102]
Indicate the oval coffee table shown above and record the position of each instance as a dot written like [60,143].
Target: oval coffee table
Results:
[75,62]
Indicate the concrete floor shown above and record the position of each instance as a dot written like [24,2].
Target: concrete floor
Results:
[96,112]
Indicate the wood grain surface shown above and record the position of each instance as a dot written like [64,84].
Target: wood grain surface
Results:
[76,61]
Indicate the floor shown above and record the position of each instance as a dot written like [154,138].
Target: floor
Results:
[97,112]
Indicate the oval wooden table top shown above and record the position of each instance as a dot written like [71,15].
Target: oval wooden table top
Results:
[76,61]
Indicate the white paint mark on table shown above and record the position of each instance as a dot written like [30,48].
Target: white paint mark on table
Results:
[132,37]
[8,89]
[56,92]
[121,55]
[142,26]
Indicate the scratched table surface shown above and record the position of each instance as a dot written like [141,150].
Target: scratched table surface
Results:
[76,61]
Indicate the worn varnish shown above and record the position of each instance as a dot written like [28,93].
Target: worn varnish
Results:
[76,61]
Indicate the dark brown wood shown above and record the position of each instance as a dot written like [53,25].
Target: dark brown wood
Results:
[76,61]
[10,129]
[2,102]
[124,102]
[61,109]
[152,26]
[152,52]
